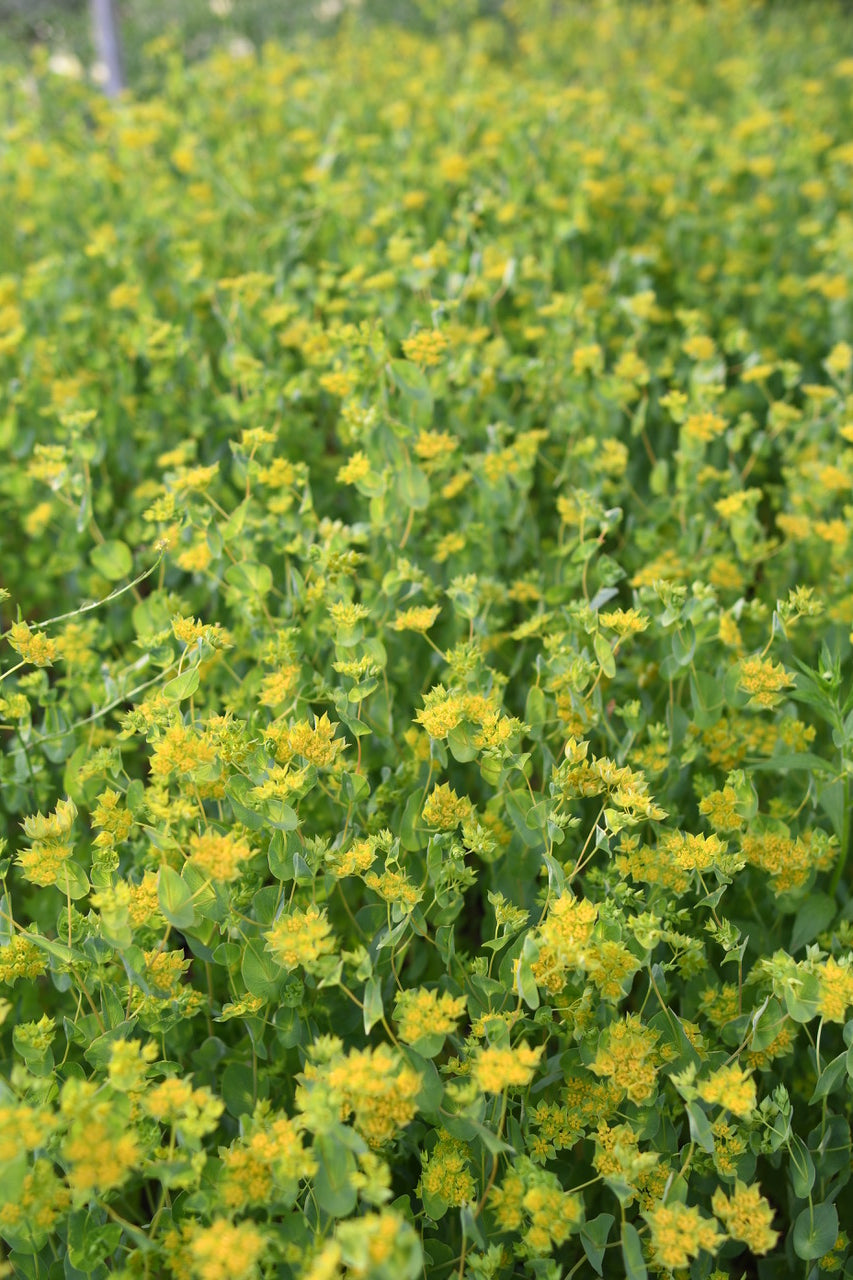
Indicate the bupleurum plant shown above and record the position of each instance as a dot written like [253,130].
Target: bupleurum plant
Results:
[426,694]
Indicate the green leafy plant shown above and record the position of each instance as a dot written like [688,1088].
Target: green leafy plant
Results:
[426,693]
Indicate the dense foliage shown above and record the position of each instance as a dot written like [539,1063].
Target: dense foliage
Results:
[427,728]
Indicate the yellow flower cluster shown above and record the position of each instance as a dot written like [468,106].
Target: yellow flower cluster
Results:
[24,1128]
[746,1216]
[534,1199]
[33,646]
[720,808]
[359,857]
[272,1153]
[426,347]
[444,810]
[21,958]
[113,818]
[835,987]
[221,1251]
[625,622]
[180,750]
[627,1056]
[51,846]
[395,888]
[417,618]
[378,1089]
[300,938]
[730,1087]
[764,681]
[445,1172]
[788,860]
[421,1012]
[100,1155]
[315,743]
[679,1233]
[355,469]
[496,1069]
[563,936]
[39,1205]
[444,710]
[219,856]
[190,631]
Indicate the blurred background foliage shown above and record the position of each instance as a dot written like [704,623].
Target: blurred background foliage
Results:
[64,26]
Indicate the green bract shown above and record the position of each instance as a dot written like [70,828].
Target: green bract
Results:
[427,728]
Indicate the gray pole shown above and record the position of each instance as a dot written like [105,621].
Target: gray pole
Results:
[105,27]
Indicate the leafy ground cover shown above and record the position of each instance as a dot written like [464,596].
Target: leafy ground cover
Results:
[425,704]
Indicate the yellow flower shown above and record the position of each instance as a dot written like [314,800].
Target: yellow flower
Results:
[425,347]
[420,1012]
[21,958]
[301,939]
[496,1069]
[379,1088]
[730,1087]
[746,1216]
[444,810]
[704,427]
[838,361]
[221,1251]
[33,646]
[627,1057]
[446,1174]
[764,680]
[316,743]
[588,359]
[679,1233]
[355,469]
[219,856]
[836,989]
[699,347]
[395,888]
[625,622]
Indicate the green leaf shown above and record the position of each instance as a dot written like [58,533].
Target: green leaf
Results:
[412,834]
[518,806]
[89,1244]
[632,1253]
[802,1167]
[604,654]
[183,686]
[535,708]
[683,644]
[413,487]
[279,815]
[72,880]
[112,560]
[708,699]
[461,743]
[373,1006]
[525,982]
[175,899]
[238,1089]
[594,1237]
[259,970]
[700,1126]
[815,1231]
[233,526]
[830,1078]
[243,804]
[410,381]
[333,1187]
[815,915]
[250,579]
[135,797]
